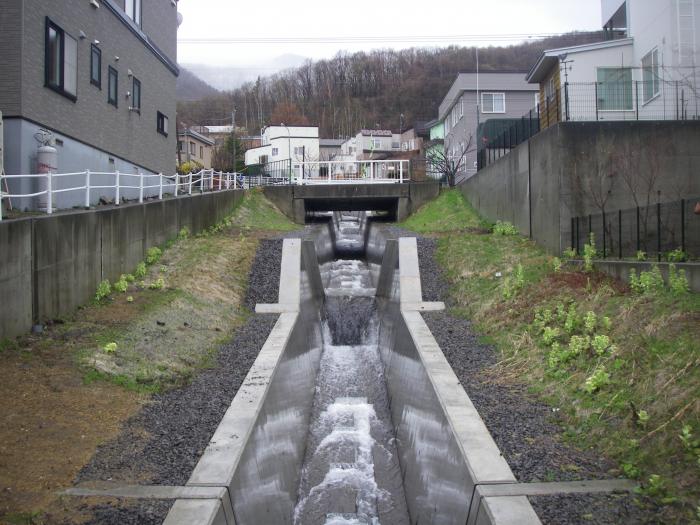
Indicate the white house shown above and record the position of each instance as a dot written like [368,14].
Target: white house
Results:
[282,143]
[371,144]
[646,69]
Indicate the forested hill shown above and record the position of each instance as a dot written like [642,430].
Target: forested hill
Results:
[350,92]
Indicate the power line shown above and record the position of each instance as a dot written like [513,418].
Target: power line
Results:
[368,39]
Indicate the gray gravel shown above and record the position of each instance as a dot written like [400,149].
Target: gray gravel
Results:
[162,444]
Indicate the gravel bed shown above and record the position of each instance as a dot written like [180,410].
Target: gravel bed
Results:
[162,444]
[525,430]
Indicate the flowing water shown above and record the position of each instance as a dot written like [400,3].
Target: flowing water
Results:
[351,472]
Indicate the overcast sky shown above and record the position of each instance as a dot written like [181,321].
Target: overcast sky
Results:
[410,19]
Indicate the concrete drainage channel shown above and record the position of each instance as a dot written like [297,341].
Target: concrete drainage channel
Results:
[351,413]
[392,436]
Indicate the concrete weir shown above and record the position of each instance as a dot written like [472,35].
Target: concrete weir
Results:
[262,464]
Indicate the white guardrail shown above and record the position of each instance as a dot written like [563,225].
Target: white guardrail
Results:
[49,185]
[351,172]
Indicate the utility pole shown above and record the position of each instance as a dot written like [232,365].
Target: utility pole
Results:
[233,136]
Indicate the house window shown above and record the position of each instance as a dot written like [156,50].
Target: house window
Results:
[376,143]
[180,146]
[537,102]
[201,152]
[650,72]
[61,61]
[299,150]
[133,11]
[493,102]
[96,66]
[193,148]
[136,96]
[162,124]
[112,86]
[275,152]
[615,89]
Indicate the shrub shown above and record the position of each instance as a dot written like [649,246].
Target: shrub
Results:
[600,344]
[153,255]
[556,264]
[570,253]
[513,284]
[110,348]
[103,290]
[550,335]
[590,321]
[184,233]
[571,322]
[589,253]
[129,278]
[579,344]
[121,285]
[504,228]
[157,285]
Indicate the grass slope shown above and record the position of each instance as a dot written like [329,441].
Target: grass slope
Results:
[622,367]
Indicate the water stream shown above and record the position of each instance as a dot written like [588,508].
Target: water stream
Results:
[351,472]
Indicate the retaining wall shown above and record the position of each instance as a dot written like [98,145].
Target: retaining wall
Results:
[52,264]
[574,168]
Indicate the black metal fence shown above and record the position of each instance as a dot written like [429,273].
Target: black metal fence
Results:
[491,149]
[655,230]
[652,99]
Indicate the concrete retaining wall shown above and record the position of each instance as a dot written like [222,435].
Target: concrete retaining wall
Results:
[52,264]
[572,169]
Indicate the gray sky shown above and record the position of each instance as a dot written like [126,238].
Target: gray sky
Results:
[288,20]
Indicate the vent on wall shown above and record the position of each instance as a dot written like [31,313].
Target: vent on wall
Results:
[95,4]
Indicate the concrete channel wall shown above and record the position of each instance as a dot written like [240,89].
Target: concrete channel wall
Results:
[50,265]
[445,450]
[571,169]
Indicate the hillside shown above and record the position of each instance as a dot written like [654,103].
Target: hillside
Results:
[349,92]
[190,87]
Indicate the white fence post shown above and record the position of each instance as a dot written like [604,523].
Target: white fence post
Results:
[160,186]
[87,189]
[117,193]
[400,171]
[177,183]
[49,193]
[140,188]
[190,191]
[211,181]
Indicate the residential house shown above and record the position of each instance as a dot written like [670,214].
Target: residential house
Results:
[282,143]
[98,76]
[219,134]
[475,98]
[330,149]
[647,69]
[435,148]
[195,147]
[372,144]
[411,141]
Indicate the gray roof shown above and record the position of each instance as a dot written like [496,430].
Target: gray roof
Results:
[486,82]
[331,143]
[192,133]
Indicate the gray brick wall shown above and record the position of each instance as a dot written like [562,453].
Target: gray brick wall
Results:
[91,119]
[11,60]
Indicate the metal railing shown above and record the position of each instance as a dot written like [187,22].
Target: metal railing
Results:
[653,99]
[493,148]
[351,172]
[656,229]
[118,185]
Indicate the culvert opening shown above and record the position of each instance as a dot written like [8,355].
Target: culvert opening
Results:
[351,471]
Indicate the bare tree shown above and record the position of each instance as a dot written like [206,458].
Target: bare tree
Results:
[450,165]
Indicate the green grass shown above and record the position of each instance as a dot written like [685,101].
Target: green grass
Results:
[653,368]
[23,518]
[449,212]
[256,212]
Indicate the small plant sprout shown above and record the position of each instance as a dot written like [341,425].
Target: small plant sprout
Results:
[570,253]
[140,271]
[157,285]
[184,233]
[630,470]
[504,228]
[130,299]
[121,285]
[677,280]
[597,380]
[130,278]
[641,256]
[676,256]
[589,253]
[550,335]
[163,268]
[600,344]
[571,322]
[103,290]
[110,348]
[590,321]
[579,344]
[606,323]
[556,264]
[643,417]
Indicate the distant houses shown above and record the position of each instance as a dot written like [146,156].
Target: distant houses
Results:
[285,143]
[195,148]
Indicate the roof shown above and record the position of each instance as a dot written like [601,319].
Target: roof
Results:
[192,133]
[550,58]
[492,81]
[331,143]
[376,132]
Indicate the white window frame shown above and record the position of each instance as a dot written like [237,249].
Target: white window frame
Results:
[376,143]
[298,150]
[601,90]
[461,106]
[275,152]
[493,95]
[133,10]
[654,68]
